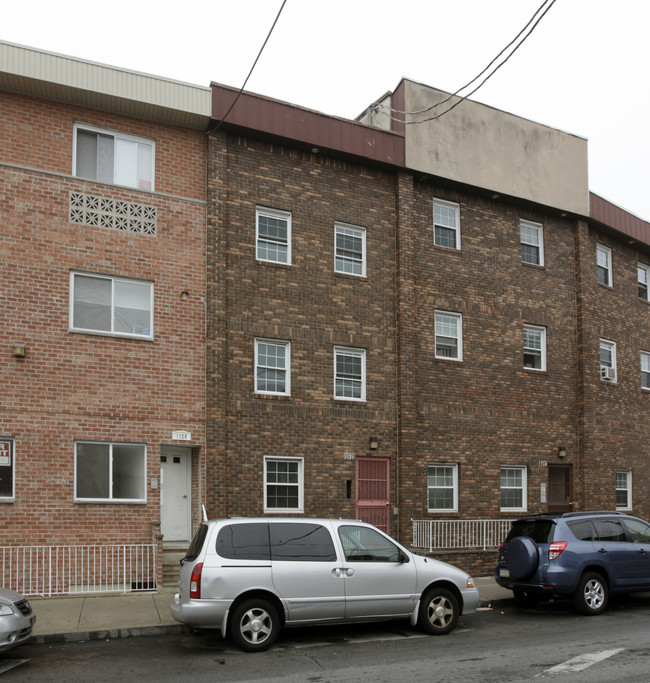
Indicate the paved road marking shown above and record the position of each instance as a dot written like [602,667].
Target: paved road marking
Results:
[8,664]
[581,662]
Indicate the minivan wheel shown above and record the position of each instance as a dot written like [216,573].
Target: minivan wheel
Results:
[254,625]
[591,596]
[438,611]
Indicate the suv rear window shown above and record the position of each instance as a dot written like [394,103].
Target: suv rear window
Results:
[540,530]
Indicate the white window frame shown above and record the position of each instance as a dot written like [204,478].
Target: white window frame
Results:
[538,229]
[116,137]
[353,231]
[605,376]
[287,366]
[645,370]
[606,252]
[643,279]
[455,208]
[356,353]
[113,280]
[454,469]
[459,334]
[300,484]
[119,501]
[12,465]
[523,488]
[627,488]
[542,332]
[277,215]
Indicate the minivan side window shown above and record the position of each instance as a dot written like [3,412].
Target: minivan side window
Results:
[366,545]
[301,543]
[244,542]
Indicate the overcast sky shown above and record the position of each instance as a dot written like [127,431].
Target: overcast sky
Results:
[583,70]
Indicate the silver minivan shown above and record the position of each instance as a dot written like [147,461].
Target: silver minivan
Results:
[249,577]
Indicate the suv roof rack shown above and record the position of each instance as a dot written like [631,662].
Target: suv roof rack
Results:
[593,512]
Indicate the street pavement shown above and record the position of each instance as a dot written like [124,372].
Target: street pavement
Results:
[93,617]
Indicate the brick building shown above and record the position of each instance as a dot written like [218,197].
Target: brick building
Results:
[102,240]
[301,314]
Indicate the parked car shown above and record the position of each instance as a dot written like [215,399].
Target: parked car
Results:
[585,556]
[16,619]
[250,577]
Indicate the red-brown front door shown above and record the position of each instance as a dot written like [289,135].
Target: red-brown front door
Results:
[373,491]
[559,488]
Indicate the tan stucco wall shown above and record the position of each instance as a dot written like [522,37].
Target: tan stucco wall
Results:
[488,148]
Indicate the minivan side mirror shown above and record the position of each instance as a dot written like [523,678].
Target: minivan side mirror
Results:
[403,557]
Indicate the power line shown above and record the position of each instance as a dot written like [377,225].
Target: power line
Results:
[378,105]
[259,54]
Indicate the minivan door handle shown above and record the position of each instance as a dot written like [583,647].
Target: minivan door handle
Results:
[602,550]
[337,571]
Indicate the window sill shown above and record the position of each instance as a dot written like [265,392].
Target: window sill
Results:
[273,264]
[604,286]
[102,501]
[349,401]
[276,397]
[351,276]
[7,501]
[536,266]
[446,250]
[113,335]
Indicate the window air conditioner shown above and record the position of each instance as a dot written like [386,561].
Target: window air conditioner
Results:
[608,374]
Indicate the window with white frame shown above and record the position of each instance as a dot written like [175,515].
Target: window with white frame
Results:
[442,488]
[6,468]
[446,224]
[645,370]
[115,158]
[604,263]
[349,374]
[534,347]
[110,472]
[272,367]
[283,484]
[449,335]
[273,235]
[623,490]
[103,304]
[607,360]
[350,249]
[513,488]
[643,276]
[532,242]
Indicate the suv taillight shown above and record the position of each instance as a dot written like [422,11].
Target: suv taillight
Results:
[195,581]
[556,549]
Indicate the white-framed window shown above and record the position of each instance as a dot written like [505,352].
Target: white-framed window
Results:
[110,472]
[645,370]
[117,306]
[449,335]
[349,374]
[623,490]
[7,469]
[349,249]
[442,487]
[604,263]
[643,276]
[534,347]
[532,242]
[513,488]
[273,235]
[116,158]
[607,360]
[283,484]
[272,367]
[446,224]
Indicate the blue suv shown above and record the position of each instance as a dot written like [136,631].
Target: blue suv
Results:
[586,556]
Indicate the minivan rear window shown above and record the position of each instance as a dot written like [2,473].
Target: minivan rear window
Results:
[540,530]
[197,543]
[301,543]
[244,541]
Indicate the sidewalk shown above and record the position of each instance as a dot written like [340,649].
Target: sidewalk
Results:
[92,617]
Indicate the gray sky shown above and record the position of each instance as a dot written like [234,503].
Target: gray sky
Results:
[583,70]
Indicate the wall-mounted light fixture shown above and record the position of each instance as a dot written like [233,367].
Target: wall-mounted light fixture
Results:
[561,452]
[185,295]
[373,443]
[19,350]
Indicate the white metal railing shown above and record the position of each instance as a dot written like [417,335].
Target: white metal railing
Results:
[457,534]
[64,570]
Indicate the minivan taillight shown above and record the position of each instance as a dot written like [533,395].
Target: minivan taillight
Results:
[195,581]
[556,549]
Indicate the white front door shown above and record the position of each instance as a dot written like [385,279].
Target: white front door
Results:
[176,492]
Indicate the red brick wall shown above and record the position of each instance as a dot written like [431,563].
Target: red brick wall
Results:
[74,386]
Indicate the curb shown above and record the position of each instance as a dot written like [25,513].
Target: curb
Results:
[109,634]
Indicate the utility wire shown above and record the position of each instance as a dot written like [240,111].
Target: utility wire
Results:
[378,105]
[259,54]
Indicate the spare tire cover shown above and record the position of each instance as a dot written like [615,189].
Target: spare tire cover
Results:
[522,557]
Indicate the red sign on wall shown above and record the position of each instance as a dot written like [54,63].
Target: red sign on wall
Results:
[5,453]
